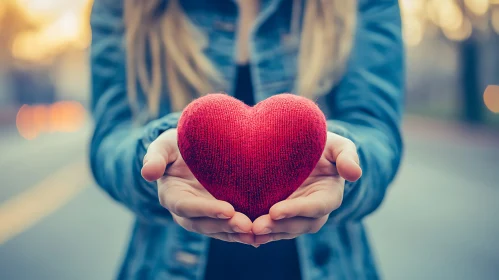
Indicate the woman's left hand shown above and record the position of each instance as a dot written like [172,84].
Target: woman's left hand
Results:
[308,208]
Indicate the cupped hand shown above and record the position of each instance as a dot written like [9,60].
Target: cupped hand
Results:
[308,208]
[190,204]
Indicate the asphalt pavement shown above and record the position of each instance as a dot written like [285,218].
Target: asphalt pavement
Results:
[438,221]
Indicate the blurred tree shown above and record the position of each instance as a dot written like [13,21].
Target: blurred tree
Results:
[470,28]
[472,109]
[470,73]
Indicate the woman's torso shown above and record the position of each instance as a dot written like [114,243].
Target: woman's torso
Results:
[170,252]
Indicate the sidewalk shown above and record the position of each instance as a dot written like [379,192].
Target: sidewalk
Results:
[456,132]
[438,219]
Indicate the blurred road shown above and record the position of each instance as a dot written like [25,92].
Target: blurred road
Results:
[438,221]
[76,234]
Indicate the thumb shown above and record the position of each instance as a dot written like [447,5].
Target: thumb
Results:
[160,153]
[348,167]
[343,153]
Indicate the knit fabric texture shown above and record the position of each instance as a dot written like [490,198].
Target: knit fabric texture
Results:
[251,157]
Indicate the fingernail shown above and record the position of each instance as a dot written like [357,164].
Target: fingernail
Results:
[281,217]
[222,216]
[238,229]
[265,231]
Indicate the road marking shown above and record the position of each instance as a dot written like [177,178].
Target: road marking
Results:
[26,209]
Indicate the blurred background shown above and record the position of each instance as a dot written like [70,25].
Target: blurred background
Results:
[437,222]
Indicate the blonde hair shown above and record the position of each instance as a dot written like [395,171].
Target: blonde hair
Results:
[174,48]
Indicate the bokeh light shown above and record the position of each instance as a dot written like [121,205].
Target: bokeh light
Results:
[432,12]
[460,34]
[413,32]
[450,17]
[455,19]
[491,98]
[24,123]
[495,20]
[59,25]
[62,116]
[411,6]
[478,7]
[2,9]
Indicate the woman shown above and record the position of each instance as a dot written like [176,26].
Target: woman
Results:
[151,58]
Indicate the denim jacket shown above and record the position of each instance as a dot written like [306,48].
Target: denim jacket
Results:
[365,106]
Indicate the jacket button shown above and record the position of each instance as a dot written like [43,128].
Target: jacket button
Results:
[322,254]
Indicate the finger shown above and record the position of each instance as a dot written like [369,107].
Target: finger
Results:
[315,205]
[262,239]
[234,237]
[206,225]
[343,152]
[242,222]
[297,225]
[185,204]
[237,224]
[160,153]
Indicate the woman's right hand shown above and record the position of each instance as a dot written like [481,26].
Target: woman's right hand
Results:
[190,204]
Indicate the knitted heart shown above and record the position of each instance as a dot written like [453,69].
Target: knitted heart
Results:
[251,157]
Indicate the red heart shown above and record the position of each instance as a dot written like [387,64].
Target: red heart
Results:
[251,157]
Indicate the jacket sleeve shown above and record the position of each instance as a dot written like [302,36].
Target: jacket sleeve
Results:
[367,106]
[117,146]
